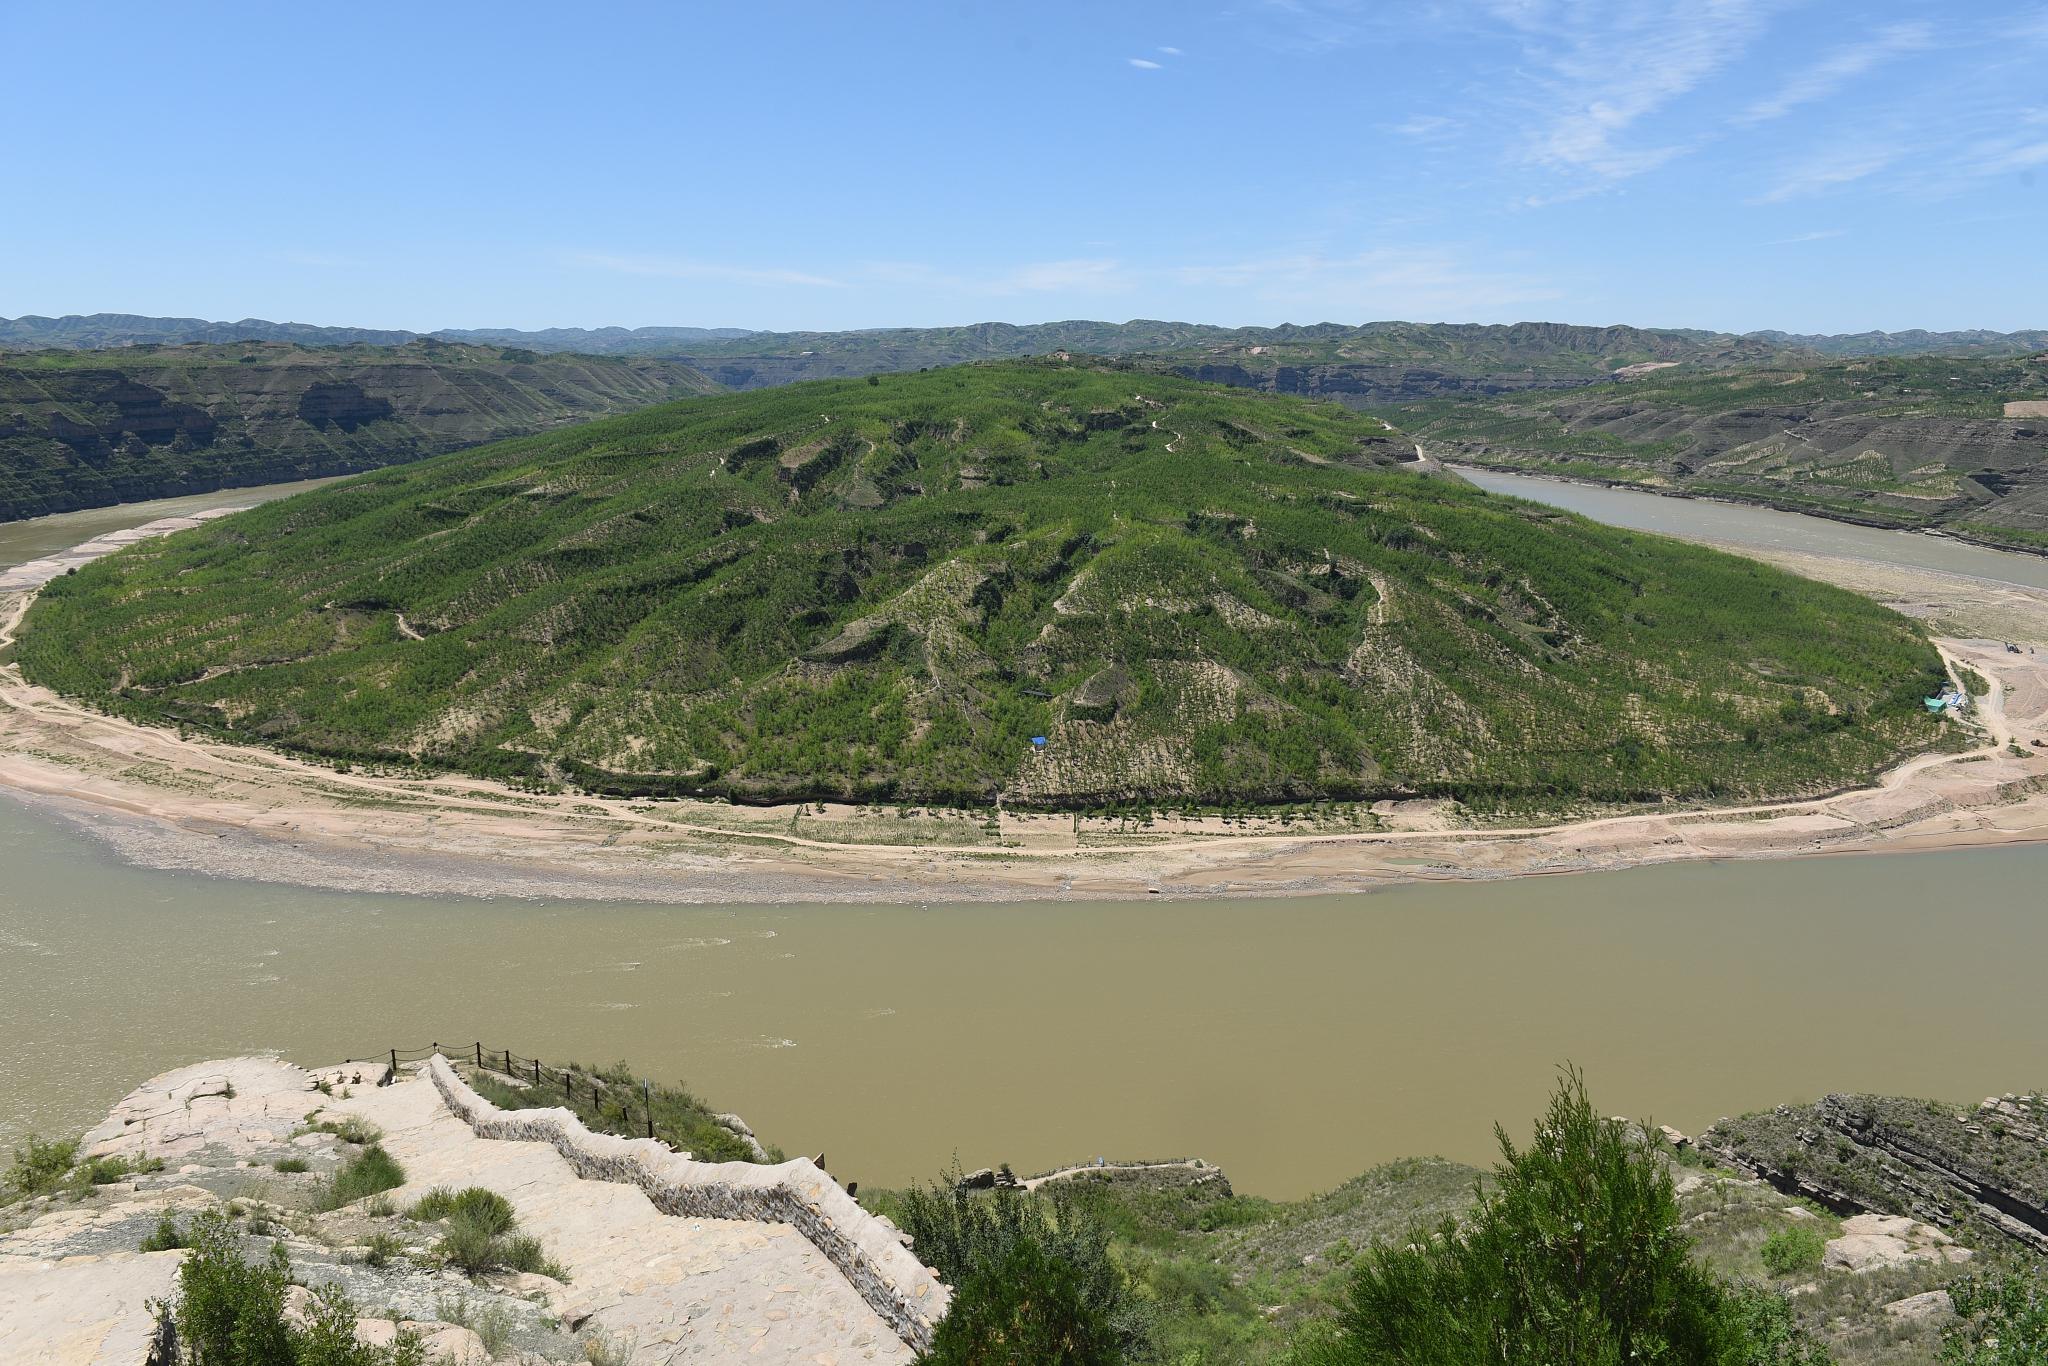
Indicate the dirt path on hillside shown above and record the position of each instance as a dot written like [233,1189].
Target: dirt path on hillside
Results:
[169,800]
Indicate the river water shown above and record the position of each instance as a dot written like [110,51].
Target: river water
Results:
[1295,1042]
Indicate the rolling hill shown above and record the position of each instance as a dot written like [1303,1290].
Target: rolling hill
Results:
[88,428]
[894,589]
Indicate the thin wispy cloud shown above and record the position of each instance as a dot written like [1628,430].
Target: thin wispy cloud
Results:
[1425,126]
[1173,52]
[1829,75]
[683,268]
[1829,170]
[1601,71]
[1823,235]
[1143,65]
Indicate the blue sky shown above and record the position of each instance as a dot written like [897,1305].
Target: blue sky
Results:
[1732,164]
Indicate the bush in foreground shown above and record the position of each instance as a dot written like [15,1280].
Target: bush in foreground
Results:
[1032,1277]
[1576,1259]
[230,1311]
[2001,1320]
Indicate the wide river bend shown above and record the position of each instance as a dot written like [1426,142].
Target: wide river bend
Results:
[1294,1042]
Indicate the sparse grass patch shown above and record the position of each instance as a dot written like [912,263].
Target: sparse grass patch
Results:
[479,1233]
[368,1172]
[348,1128]
[380,1247]
[485,1209]
[290,1165]
[492,1323]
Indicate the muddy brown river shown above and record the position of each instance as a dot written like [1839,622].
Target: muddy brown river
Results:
[1294,1042]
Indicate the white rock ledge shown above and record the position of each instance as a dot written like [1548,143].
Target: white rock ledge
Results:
[866,1249]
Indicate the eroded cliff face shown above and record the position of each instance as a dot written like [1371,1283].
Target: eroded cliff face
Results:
[1359,385]
[85,430]
[1981,1169]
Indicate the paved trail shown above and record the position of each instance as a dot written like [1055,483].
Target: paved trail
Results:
[683,1289]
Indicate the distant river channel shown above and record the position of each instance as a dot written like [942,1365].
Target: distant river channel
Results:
[1295,1042]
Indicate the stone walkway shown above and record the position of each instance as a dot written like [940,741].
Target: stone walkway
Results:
[681,1289]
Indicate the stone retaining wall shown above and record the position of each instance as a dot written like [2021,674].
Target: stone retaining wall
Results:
[868,1251]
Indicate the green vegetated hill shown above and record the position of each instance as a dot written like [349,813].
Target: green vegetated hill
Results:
[1925,441]
[88,428]
[886,589]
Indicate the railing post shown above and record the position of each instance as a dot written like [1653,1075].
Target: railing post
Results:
[508,1064]
[479,1057]
[647,1103]
[394,1062]
[536,1071]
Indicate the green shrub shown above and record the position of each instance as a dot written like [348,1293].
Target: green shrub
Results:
[485,1208]
[368,1172]
[1790,1251]
[2001,1320]
[329,1337]
[164,1237]
[380,1247]
[39,1165]
[980,1243]
[526,1254]
[469,1246]
[229,1311]
[479,1222]
[1575,1259]
[290,1165]
[1769,1333]
[1026,1306]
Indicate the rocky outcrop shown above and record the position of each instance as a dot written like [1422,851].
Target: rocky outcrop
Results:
[1860,1155]
[1876,1242]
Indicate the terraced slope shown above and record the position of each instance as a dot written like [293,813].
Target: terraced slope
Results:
[1957,443]
[84,429]
[887,589]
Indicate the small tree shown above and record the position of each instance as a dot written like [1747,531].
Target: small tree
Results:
[1576,1259]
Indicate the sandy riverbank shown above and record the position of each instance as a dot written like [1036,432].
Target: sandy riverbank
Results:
[164,801]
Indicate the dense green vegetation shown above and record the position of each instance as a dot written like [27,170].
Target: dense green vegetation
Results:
[884,591]
[85,428]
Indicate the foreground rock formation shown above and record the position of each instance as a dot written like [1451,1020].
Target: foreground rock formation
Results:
[696,1288]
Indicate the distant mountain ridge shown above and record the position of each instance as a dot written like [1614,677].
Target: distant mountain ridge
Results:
[994,340]
[104,331]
